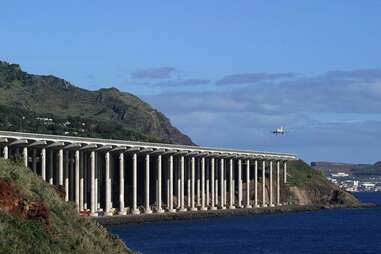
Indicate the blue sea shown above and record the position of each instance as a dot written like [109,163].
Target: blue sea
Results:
[325,231]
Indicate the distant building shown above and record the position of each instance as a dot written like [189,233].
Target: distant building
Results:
[44,119]
[368,185]
[340,174]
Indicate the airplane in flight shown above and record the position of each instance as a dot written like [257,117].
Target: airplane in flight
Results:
[280,131]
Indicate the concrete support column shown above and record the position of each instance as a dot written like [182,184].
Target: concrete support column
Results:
[264,183]
[231,185]
[203,184]
[285,172]
[159,188]
[207,183]
[66,175]
[107,184]
[178,183]
[222,180]
[171,209]
[277,183]
[147,205]
[256,183]
[5,152]
[76,191]
[122,210]
[216,186]
[71,177]
[92,176]
[25,155]
[60,167]
[112,176]
[182,196]
[97,165]
[51,168]
[135,209]
[193,169]
[271,184]
[189,195]
[166,173]
[34,160]
[43,163]
[197,183]
[234,190]
[248,205]
[212,187]
[86,181]
[225,185]
[81,182]
[239,183]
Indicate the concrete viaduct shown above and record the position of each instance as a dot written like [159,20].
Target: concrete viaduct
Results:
[109,177]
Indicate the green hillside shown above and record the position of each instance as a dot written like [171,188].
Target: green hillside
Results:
[35,219]
[48,104]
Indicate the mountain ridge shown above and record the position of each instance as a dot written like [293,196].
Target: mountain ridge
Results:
[348,166]
[49,97]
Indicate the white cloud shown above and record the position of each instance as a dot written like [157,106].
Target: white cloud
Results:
[330,110]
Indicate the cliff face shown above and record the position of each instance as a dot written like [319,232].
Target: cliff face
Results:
[35,219]
[52,105]
[308,187]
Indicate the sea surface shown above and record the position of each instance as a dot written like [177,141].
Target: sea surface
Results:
[326,231]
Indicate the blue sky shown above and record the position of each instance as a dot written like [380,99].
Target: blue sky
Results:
[225,72]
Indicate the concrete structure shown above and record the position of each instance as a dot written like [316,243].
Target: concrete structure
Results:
[107,177]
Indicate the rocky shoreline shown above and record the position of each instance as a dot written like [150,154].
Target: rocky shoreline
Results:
[144,218]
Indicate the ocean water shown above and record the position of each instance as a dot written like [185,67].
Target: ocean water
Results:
[327,231]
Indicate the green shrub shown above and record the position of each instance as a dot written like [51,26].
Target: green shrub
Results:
[299,173]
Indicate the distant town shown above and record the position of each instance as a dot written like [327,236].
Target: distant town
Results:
[352,177]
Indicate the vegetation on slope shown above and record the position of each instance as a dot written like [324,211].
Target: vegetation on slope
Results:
[15,119]
[35,219]
[106,112]
[300,173]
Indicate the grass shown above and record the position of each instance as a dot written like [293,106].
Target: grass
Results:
[67,232]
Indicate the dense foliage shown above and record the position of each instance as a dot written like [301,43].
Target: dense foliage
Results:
[300,173]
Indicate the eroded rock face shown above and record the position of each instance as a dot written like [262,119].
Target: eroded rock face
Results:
[320,191]
[15,203]
[9,198]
